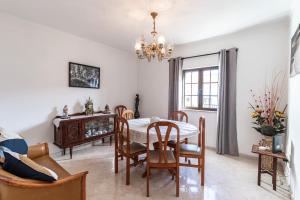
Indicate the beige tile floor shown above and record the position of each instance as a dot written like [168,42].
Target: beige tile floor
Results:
[227,178]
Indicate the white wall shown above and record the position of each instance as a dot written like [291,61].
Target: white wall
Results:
[293,142]
[34,77]
[263,51]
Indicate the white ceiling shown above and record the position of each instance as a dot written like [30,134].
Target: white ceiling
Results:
[119,23]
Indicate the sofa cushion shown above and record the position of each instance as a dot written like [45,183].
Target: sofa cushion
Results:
[13,141]
[24,167]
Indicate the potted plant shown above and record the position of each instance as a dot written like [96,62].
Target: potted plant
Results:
[269,119]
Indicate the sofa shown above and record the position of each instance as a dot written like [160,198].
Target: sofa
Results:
[66,187]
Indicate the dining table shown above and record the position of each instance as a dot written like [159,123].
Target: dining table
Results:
[138,130]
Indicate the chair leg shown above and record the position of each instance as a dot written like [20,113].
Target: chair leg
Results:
[185,142]
[177,182]
[127,170]
[202,171]
[148,176]
[199,164]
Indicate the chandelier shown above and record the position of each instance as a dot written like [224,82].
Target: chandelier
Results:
[157,48]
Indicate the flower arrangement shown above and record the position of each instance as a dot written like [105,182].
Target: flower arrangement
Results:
[269,120]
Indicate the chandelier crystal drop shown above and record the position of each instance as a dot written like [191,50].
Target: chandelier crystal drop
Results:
[157,48]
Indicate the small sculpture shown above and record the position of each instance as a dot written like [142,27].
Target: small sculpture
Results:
[106,109]
[137,102]
[89,108]
[65,112]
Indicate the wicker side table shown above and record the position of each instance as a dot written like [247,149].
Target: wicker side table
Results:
[275,157]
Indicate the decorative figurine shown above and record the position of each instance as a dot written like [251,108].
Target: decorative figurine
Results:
[137,102]
[65,112]
[106,109]
[89,109]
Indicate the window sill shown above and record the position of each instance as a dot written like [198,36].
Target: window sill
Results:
[196,110]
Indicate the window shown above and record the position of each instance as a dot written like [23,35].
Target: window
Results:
[200,88]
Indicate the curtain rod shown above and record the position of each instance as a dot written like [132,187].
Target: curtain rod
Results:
[207,54]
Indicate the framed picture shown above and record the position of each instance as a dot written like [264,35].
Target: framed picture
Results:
[84,76]
[295,53]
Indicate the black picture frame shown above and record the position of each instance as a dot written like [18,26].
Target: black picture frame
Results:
[295,53]
[84,76]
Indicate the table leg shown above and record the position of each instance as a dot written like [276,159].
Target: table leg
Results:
[116,152]
[259,170]
[274,173]
[71,152]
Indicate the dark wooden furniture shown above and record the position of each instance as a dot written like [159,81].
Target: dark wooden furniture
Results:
[195,151]
[161,157]
[120,109]
[125,148]
[80,129]
[275,157]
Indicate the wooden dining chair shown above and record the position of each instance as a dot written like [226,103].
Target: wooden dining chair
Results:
[178,116]
[161,157]
[195,151]
[128,114]
[126,148]
[120,109]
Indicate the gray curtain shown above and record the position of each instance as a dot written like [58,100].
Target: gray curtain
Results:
[175,73]
[227,132]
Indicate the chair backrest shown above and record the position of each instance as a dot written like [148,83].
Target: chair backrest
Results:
[120,109]
[201,135]
[123,135]
[128,114]
[163,142]
[179,116]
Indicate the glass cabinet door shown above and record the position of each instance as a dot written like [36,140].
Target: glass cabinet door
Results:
[99,126]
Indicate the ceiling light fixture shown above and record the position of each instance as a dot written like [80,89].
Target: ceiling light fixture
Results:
[157,48]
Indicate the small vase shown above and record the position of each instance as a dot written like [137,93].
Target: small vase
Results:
[277,144]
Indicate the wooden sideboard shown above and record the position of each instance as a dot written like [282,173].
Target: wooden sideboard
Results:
[80,129]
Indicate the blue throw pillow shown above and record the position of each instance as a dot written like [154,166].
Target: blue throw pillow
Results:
[15,145]
[24,167]
[13,141]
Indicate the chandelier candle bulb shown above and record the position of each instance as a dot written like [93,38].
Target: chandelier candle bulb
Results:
[161,40]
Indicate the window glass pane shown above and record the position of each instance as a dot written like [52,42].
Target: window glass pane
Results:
[195,101]
[215,75]
[194,89]
[214,101]
[206,76]
[187,89]
[214,89]
[187,101]
[188,77]
[206,89]
[195,76]
[205,102]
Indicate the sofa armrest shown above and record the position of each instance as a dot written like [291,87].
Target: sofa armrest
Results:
[38,150]
[72,187]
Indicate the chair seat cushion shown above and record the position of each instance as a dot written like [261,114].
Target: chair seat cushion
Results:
[135,148]
[190,149]
[154,157]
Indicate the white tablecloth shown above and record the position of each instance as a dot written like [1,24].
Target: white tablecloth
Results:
[138,130]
